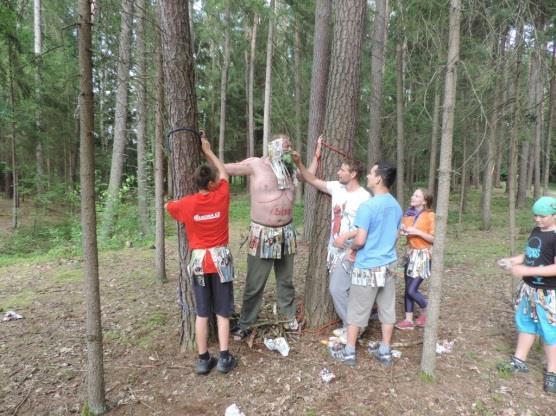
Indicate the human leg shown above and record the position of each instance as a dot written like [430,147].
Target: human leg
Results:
[340,283]
[257,274]
[285,291]
[385,300]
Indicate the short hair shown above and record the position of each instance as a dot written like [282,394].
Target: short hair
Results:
[428,197]
[387,172]
[203,175]
[355,166]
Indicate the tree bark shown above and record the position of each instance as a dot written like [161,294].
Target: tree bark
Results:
[297,98]
[95,364]
[317,100]
[340,128]
[39,156]
[179,87]
[400,175]
[433,160]
[551,120]
[160,244]
[428,360]
[268,79]
[120,120]
[251,87]
[378,46]
[142,120]
[224,83]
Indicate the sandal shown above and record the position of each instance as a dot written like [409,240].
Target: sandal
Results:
[550,382]
[240,334]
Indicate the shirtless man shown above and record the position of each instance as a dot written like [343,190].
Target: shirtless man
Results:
[272,239]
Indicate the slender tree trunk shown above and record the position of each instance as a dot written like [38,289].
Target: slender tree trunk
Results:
[378,46]
[551,121]
[179,87]
[13,127]
[512,162]
[224,83]
[95,364]
[297,98]
[434,139]
[537,61]
[317,100]
[268,79]
[142,120]
[463,187]
[400,183]
[251,87]
[120,120]
[340,128]
[38,114]
[523,182]
[160,256]
[493,134]
[428,360]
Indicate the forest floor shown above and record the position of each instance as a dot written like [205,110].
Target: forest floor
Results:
[42,356]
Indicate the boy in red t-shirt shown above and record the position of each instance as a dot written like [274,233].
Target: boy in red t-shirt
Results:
[205,216]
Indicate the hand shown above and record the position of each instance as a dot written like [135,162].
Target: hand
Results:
[339,241]
[519,270]
[351,255]
[319,146]
[505,263]
[411,230]
[205,145]
[296,158]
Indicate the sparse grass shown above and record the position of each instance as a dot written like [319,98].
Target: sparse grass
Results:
[22,300]
[68,276]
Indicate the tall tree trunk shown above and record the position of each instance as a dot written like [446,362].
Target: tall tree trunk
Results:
[551,121]
[251,87]
[120,120]
[95,364]
[537,61]
[433,160]
[224,83]
[160,255]
[13,128]
[400,183]
[523,184]
[428,360]
[179,87]
[378,46]
[39,156]
[317,100]
[340,128]
[268,79]
[493,134]
[512,162]
[142,120]
[297,98]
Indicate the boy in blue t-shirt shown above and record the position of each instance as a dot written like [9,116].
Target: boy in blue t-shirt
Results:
[536,304]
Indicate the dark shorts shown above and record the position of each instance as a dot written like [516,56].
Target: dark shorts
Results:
[215,297]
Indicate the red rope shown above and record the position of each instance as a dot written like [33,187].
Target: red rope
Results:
[335,150]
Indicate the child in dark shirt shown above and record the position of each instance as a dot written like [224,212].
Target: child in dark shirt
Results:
[536,303]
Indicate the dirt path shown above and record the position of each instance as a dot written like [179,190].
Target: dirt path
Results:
[42,364]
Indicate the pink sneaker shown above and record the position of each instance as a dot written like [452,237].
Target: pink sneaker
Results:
[421,320]
[405,325]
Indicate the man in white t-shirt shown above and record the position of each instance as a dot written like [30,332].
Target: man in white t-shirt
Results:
[347,194]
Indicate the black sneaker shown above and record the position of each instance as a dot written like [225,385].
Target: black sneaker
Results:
[513,365]
[550,382]
[204,366]
[225,365]
[342,356]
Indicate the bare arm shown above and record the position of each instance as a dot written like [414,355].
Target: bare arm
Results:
[340,241]
[212,158]
[315,161]
[360,239]
[520,270]
[419,233]
[243,168]
[308,176]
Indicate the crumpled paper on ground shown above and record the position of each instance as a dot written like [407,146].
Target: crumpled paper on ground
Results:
[326,375]
[11,316]
[278,344]
[445,347]
[233,410]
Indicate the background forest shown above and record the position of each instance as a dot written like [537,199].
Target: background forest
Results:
[378,78]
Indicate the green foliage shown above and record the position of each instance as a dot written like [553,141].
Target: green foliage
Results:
[426,377]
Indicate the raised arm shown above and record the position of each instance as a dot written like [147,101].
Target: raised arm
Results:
[313,166]
[212,158]
[308,176]
[244,168]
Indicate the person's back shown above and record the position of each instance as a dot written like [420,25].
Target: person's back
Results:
[380,217]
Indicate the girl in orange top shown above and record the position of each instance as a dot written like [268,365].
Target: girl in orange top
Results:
[418,225]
